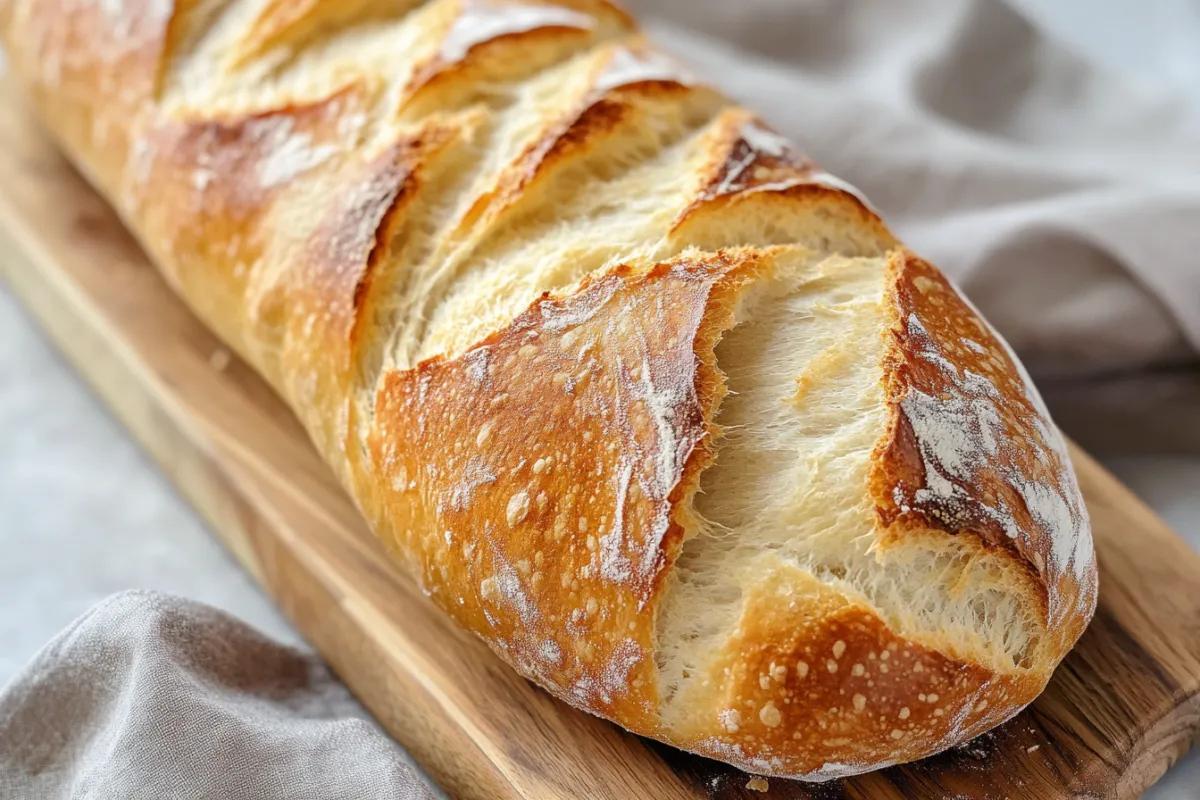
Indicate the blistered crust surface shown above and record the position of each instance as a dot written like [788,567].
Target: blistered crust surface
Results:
[973,448]
[533,479]
[810,672]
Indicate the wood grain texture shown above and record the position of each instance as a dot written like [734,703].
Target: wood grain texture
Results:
[1122,707]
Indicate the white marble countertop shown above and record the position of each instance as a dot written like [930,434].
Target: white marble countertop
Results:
[86,514]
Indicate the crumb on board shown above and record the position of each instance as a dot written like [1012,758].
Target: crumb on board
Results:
[758,785]
[219,359]
[1032,748]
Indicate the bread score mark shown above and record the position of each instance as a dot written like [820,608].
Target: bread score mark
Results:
[554,537]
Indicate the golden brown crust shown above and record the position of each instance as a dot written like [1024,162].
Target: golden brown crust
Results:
[748,157]
[533,479]
[753,171]
[207,196]
[204,212]
[91,69]
[625,76]
[813,683]
[291,23]
[186,177]
[479,37]
[811,672]
[541,481]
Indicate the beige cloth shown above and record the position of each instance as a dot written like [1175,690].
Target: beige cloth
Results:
[153,697]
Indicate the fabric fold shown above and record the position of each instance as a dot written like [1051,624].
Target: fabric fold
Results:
[153,696]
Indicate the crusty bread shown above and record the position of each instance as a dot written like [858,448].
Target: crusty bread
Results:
[655,407]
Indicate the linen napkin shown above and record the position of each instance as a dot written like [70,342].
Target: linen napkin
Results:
[153,697]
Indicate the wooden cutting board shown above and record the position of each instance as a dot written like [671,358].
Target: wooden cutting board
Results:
[1120,709]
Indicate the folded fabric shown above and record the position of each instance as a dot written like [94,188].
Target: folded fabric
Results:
[154,697]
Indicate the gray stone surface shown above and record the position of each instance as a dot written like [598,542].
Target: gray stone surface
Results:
[84,513]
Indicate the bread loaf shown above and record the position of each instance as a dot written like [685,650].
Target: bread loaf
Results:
[645,399]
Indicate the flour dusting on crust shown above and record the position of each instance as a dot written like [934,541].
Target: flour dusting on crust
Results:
[482,21]
[629,66]
[991,461]
[291,157]
[757,159]
[956,431]
[1066,514]
[834,182]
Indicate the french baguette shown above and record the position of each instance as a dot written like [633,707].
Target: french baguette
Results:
[654,406]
